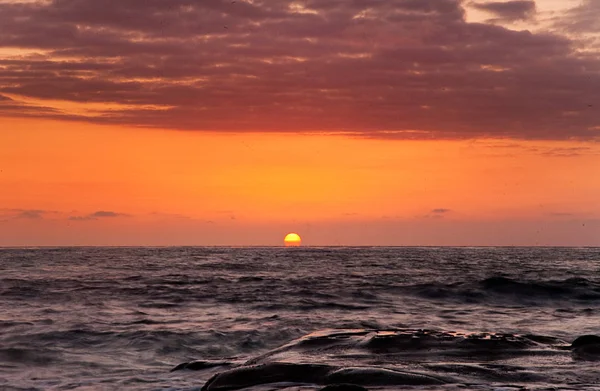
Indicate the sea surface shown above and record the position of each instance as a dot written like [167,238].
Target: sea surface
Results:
[122,318]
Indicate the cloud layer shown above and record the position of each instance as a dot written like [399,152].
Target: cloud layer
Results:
[509,11]
[386,69]
[98,215]
[39,214]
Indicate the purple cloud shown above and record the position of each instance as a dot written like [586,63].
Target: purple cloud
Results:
[509,11]
[585,18]
[389,69]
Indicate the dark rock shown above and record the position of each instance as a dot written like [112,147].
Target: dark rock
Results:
[585,340]
[199,365]
[343,387]
[379,376]
[351,359]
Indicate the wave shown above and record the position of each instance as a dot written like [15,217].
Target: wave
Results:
[44,357]
[300,294]
[509,289]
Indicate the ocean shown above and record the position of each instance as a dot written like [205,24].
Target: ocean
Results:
[393,318]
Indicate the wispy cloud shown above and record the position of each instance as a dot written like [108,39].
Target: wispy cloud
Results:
[25,214]
[436,213]
[584,18]
[101,214]
[33,214]
[569,151]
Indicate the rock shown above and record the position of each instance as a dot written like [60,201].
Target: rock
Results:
[199,365]
[349,360]
[585,340]
[343,387]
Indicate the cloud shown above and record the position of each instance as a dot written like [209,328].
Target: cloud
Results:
[103,213]
[81,218]
[98,215]
[437,213]
[13,214]
[25,214]
[585,18]
[509,11]
[31,214]
[392,69]
[9,106]
[569,151]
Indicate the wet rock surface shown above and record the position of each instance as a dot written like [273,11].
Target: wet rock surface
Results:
[349,360]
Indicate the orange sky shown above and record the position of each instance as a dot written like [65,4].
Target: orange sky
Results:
[398,122]
[177,187]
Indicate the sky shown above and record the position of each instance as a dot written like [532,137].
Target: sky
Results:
[350,122]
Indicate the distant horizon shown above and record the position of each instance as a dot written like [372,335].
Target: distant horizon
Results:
[295,248]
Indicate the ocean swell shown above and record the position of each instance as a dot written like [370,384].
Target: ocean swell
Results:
[507,290]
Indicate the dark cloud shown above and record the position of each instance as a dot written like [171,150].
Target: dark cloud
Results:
[508,11]
[98,215]
[32,214]
[440,210]
[389,69]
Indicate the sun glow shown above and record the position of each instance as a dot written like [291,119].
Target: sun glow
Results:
[292,240]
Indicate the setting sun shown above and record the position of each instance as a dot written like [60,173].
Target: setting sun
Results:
[292,240]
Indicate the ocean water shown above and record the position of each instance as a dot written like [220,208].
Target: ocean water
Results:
[122,318]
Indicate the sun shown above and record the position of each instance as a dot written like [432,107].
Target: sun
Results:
[292,240]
